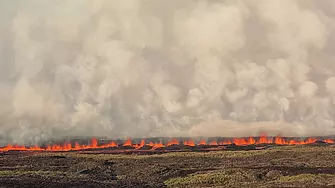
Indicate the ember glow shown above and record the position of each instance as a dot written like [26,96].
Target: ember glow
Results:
[191,143]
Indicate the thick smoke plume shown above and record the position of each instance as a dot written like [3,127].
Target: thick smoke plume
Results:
[144,68]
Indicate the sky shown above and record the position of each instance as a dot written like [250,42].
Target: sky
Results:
[149,68]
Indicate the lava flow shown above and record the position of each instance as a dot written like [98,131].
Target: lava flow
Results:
[190,143]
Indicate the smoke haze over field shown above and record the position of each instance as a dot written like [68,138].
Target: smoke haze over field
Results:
[166,68]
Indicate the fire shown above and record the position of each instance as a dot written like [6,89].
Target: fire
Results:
[227,142]
[109,145]
[173,142]
[280,141]
[141,144]
[310,140]
[157,145]
[202,143]
[94,144]
[251,140]
[151,144]
[77,146]
[189,143]
[264,140]
[127,142]
[329,141]
[239,141]
[213,143]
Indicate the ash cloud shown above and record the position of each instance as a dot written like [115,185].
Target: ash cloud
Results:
[166,68]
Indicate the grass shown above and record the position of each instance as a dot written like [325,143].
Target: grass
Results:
[307,178]
[239,178]
[297,166]
[37,172]
[212,154]
[210,179]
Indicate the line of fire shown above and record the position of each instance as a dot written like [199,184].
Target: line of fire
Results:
[171,143]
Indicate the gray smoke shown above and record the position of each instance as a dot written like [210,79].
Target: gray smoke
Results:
[144,68]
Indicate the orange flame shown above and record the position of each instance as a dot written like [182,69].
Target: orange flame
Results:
[172,142]
[329,141]
[142,144]
[251,140]
[127,142]
[202,143]
[280,141]
[109,145]
[213,143]
[227,142]
[151,144]
[94,144]
[189,143]
[239,141]
[157,145]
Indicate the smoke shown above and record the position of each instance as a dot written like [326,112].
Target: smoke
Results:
[166,68]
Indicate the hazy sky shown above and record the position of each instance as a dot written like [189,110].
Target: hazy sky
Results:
[166,68]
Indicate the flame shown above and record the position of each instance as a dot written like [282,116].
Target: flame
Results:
[140,145]
[151,144]
[213,143]
[240,141]
[310,141]
[280,141]
[329,141]
[172,142]
[264,140]
[127,142]
[251,140]
[95,145]
[109,145]
[189,143]
[227,142]
[202,143]
[157,145]
[77,146]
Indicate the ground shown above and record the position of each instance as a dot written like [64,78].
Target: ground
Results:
[285,166]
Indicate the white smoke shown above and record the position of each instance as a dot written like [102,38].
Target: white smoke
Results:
[166,68]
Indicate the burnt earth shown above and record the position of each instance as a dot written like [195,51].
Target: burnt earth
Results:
[285,166]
